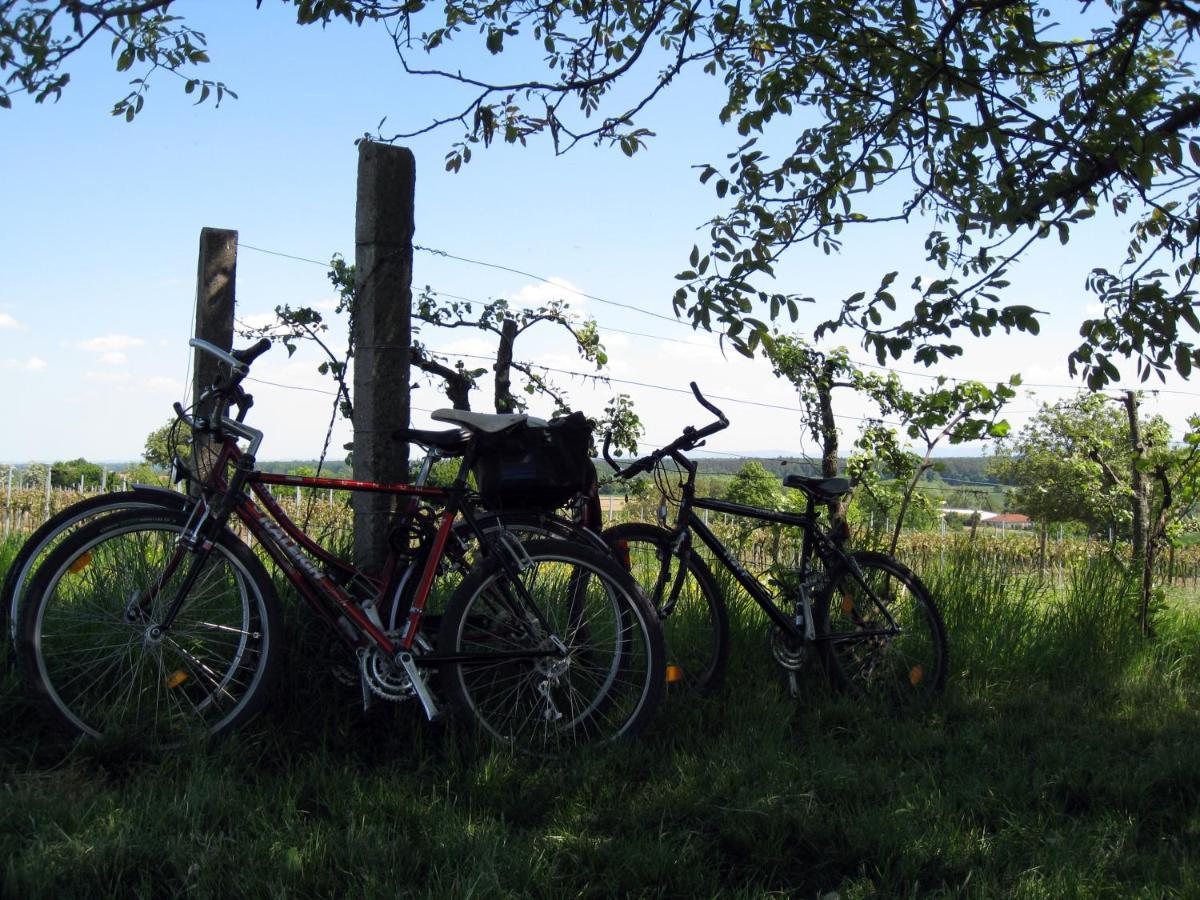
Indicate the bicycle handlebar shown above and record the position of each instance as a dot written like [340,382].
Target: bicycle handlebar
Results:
[690,439]
[227,392]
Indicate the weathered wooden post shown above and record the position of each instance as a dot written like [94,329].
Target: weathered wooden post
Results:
[216,278]
[8,504]
[383,258]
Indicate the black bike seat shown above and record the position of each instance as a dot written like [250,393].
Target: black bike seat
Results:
[821,488]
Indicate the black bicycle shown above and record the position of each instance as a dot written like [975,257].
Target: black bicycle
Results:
[871,620]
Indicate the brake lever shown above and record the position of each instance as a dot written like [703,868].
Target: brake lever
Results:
[244,402]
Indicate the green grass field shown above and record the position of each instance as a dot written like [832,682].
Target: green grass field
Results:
[1060,763]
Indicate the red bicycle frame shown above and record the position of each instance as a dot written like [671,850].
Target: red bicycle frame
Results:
[287,544]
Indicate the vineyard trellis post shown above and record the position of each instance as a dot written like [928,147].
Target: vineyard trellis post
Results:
[8,504]
[383,259]
[216,279]
[216,283]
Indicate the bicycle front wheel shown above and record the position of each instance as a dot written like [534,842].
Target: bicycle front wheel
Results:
[563,653]
[879,630]
[53,530]
[97,659]
[690,606]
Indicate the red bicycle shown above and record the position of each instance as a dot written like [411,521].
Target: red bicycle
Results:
[162,624]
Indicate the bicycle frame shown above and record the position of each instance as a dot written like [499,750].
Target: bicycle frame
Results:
[301,558]
[815,542]
[752,585]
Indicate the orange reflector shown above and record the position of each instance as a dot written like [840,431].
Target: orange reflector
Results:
[80,564]
[847,604]
[622,548]
[674,674]
[916,675]
[177,678]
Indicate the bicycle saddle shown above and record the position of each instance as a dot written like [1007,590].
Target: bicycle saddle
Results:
[453,440]
[486,423]
[818,487]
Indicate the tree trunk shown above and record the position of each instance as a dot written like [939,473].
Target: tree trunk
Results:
[829,446]
[457,384]
[1142,558]
[904,503]
[505,403]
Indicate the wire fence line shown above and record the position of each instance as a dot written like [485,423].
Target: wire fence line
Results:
[634,308]
[25,509]
[1044,393]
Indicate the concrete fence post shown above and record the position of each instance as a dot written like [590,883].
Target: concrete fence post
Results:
[216,277]
[383,258]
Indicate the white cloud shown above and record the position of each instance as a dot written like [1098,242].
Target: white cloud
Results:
[7,321]
[33,364]
[259,320]
[113,358]
[467,346]
[110,343]
[106,377]
[165,384]
[541,293]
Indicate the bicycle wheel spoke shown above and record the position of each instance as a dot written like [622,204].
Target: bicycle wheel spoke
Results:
[582,680]
[102,662]
[691,608]
[881,631]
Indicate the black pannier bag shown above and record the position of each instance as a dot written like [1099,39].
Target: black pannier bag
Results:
[536,466]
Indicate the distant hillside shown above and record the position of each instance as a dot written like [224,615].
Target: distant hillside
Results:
[947,468]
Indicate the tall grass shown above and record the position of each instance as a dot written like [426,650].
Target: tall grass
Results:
[1060,763]
[1021,625]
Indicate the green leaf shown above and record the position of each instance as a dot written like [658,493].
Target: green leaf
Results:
[1183,360]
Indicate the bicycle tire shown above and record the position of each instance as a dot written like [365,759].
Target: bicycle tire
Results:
[54,529]
[88,648]
[696,627]
[462,553]
[859,655]
[606,686]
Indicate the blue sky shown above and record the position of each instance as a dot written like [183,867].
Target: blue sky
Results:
[102,221]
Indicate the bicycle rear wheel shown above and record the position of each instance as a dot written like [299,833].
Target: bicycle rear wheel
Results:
[694,618]
[880,632]
[464,553]
[96,660]
[563,654]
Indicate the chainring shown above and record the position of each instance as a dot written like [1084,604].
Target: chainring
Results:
[383,677]
[787,651]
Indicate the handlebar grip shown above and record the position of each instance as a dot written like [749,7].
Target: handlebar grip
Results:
[607,457]
[253,352]
[238,360]
[709,406]
[213,350]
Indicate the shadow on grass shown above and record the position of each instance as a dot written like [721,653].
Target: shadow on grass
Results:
[1045,771]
